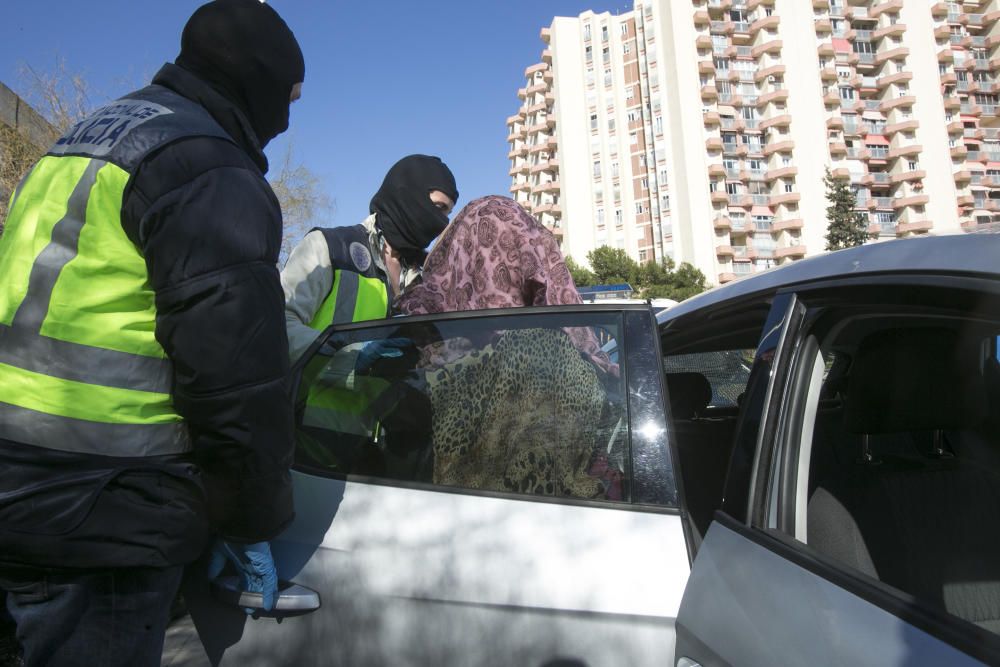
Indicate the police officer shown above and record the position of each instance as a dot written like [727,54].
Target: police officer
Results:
[339,275]
[143,398]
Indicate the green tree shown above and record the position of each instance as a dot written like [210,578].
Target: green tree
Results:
[650,280]
[612,265]
[582,276]
[846,228]
[679,284]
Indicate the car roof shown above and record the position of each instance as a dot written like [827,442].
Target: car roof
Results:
[952,254]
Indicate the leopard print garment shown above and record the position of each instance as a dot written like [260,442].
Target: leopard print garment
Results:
[521,415]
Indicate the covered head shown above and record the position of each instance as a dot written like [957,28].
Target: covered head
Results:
[404,212]
[247,53]
[494,254]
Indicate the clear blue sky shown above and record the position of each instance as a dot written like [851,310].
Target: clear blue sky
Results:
[383,79]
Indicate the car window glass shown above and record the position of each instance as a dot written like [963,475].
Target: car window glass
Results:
[727,372]
[525,404]
[905,450]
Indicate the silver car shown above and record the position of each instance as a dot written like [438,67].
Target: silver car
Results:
[801,467]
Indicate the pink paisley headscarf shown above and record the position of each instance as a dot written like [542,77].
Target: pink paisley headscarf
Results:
[495,255]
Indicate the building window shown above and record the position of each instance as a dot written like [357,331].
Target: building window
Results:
[624,29]
[614,170]
[632,116]
[600,217]
[586,32]
[639,208]
[644,183]
[633,138]
[604,33]
[611,125]
[642,255]
[607,77]
[912,164]
[605,55]
[658,124]
[593,121]
[663,177]
[597,168]
[630,93]
[588,53]
[789,186]
[618,217]
[626,48]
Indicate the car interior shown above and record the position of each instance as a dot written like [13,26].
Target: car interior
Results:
[900,449]
[904,472]
[707,365]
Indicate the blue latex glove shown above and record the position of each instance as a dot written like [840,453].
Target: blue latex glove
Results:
[254,564]
[376,350]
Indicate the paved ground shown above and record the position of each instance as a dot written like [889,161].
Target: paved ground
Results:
[182,647]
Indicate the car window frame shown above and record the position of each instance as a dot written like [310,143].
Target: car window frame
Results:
[645,315]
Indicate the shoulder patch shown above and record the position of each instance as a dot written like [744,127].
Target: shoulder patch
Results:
[361,256]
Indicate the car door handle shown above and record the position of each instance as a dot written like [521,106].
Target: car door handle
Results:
[292,600]
[685,661]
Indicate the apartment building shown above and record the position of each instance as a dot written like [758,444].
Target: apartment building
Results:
[702,129]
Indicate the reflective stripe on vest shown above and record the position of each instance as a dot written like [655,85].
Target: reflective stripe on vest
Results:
[353,298]
[80,367]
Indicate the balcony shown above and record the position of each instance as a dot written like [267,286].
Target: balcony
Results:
[939,10]
[713,144]
[709,92]
[838,148]
[785,198]
[773,47]
[719,197]
[963,176]
[834,122]
[887,79]
[894,29]
[538,67]
[773,70]
[901,151]
[766,23]
[778,95]
[909,176]
[791,223]
[904,101]
[791,251]
[914,227]
[723,223]
[706,67]
[725,251]
[902,126]
[912,200]
[783,120]
[547,56]
[701,18]
[779,147]
[893,54]
[712,118]
[703,41]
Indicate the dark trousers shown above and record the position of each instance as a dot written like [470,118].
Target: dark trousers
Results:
[105,618]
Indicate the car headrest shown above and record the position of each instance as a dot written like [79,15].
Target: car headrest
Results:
[914,380]
[690,394]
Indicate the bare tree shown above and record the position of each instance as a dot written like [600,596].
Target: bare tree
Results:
[304,202]
[62,96]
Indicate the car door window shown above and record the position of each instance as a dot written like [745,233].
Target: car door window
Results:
[890,464]
[522,403]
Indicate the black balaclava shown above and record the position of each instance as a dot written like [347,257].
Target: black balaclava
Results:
[246,52]
[408,219]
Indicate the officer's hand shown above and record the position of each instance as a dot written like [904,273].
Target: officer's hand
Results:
[379,350]
[254,564]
